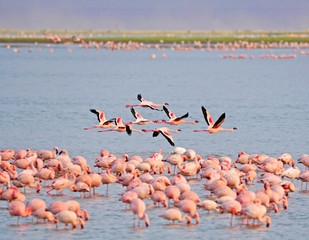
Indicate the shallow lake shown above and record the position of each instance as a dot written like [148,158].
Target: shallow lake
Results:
[45,101]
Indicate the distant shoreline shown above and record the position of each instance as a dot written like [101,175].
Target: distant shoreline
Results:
[48,36]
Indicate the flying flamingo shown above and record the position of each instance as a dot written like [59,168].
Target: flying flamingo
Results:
[121,127]
[214,127]
[174,214]
[103,123]
[164,132]
[139,119]
[138,208]
[145,103]
[173,119]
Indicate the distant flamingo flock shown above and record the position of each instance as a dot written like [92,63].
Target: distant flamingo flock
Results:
[232,47]
[249,189]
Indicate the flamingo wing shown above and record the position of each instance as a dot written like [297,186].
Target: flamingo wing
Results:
[128,130]
[100,115]
[109,121]
[170,114]
[168,137]
[136,114]
[182,117]
[219,121]
[208,118]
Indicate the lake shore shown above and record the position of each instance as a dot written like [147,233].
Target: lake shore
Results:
[54,37]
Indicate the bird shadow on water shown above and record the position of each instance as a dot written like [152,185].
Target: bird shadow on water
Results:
[22,226]
[178,225]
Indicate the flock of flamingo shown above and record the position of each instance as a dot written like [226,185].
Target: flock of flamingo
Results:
[116,124]
[253,187]
[196,45]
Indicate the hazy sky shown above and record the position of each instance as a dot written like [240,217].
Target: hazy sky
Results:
[204,15]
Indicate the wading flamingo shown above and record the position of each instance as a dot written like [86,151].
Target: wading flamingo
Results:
[138,208]
[174,214]
[214,127]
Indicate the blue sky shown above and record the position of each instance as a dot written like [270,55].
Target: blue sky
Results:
[194,15]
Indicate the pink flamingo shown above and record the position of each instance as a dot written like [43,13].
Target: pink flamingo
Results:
[75,207]
[7,154]
[190,195]
[103,123]
[231,206]
[36,203]
[121,127]
[173,192]
[69,217]
[145,103]
[19,154]
[28,180]
[108,178]
[139,119]
[127,196]
[41,213]
[12,194]
[159,197]
[214,127]
[17,208]
[47,154]
[175,215]
[173,120]
[189,206]
[176,160]
[208,205]
[138,208]
[257,211]
[61,184]
[304,177]
[165,132]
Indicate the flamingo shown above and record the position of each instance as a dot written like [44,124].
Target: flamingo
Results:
[208,205]
[231,206]
[189,206]
[20,153]
[145,103]
[108,178]
[103,123]
[139,119]
[121,127]
[165,132]
[138,208]
[19,209]
[159,197]
[7,154]
[69,217]
[47,154]
[41,213]
[214,127]
[61,184]
[173,119]
[173,215]
[257,211]
[176,160]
